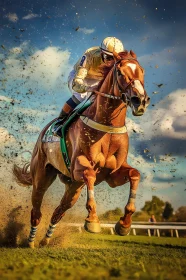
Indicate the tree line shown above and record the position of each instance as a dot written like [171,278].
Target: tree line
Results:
[162,210]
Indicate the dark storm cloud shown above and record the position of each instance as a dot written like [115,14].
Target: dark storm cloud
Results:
[166,179]
[166,9]
[163,145]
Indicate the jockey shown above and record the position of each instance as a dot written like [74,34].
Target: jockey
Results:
[86,75]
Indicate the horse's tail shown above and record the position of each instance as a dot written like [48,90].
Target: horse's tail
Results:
[22,175]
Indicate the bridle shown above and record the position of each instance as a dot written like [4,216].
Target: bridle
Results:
[123,94]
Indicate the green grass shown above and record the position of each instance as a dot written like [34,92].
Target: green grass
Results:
[90,256]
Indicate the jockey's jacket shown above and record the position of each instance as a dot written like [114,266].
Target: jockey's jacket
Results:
[87,70]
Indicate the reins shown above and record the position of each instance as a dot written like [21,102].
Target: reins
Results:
[107,95]
[121,90]
[105,128]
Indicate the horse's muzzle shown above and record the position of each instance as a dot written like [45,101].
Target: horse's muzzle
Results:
[138,112]
[138,109]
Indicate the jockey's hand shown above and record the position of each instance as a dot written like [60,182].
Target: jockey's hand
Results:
[91,88]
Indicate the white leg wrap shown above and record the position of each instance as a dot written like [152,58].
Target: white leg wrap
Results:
[50,230]
[32,234]
[90,194]
[132,196]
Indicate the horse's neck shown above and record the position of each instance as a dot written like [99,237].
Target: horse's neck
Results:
[106,110]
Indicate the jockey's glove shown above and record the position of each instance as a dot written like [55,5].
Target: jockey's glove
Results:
[79,86]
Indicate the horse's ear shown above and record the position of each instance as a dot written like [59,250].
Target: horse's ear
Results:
[133,54]
[116,56]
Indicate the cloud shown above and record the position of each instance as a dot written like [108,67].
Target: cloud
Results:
[5,137]
[163,58]
[40,112]
[4,98]
[86,31]
[157,180]
[168,118]
[12,17]
[45,68]
[30,16]
[132,126]
[16,50]
[32,128]
[165,130]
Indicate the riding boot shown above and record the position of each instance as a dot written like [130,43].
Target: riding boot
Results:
[59,122]
[66,110]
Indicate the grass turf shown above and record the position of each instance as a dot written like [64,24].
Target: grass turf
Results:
[89,256]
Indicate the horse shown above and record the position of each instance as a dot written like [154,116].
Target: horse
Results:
[97,144]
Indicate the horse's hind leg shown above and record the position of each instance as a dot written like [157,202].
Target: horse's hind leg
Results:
[71,195]
[43,178]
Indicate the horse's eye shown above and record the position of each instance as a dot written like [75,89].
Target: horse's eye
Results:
[119,73]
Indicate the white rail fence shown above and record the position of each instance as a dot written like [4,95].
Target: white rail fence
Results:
[152,228]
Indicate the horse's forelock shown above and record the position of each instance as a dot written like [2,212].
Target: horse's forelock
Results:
[127,55]
[106,69]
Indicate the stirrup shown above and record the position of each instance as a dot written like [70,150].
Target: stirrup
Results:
[56,130]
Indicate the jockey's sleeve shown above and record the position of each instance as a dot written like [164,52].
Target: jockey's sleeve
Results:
[78,83]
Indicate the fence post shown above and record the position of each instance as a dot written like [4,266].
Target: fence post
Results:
[111,230]
[176,231]
[134,231]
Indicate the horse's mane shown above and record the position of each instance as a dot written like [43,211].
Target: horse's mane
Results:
[106,69]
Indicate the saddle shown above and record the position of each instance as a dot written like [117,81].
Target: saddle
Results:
[49,136]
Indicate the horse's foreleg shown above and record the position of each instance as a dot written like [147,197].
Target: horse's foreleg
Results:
[124,174]
[124,225]
[70,197]
[92,223]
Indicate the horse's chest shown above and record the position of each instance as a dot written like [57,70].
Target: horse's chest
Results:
[116,144]
[111,153]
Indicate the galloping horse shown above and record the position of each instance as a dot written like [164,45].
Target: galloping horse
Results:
[97,144]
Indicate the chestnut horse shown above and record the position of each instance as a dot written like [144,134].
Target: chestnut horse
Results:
[97,144]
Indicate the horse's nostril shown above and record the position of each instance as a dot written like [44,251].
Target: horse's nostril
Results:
[135,100]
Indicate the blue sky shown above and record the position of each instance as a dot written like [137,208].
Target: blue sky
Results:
[40,42]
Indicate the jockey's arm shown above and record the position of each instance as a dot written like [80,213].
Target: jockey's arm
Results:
[82,67]
[78,83]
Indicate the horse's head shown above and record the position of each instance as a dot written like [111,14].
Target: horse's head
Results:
[130,79]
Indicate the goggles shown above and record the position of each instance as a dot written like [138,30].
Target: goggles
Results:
[107,57]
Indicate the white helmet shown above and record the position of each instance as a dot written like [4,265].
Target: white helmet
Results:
[111,44]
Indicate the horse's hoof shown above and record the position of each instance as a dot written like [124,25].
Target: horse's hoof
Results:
[44,242]
[121,230]
[92,227]
[31,245]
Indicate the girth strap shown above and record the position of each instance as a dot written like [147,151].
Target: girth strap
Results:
[102,127]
